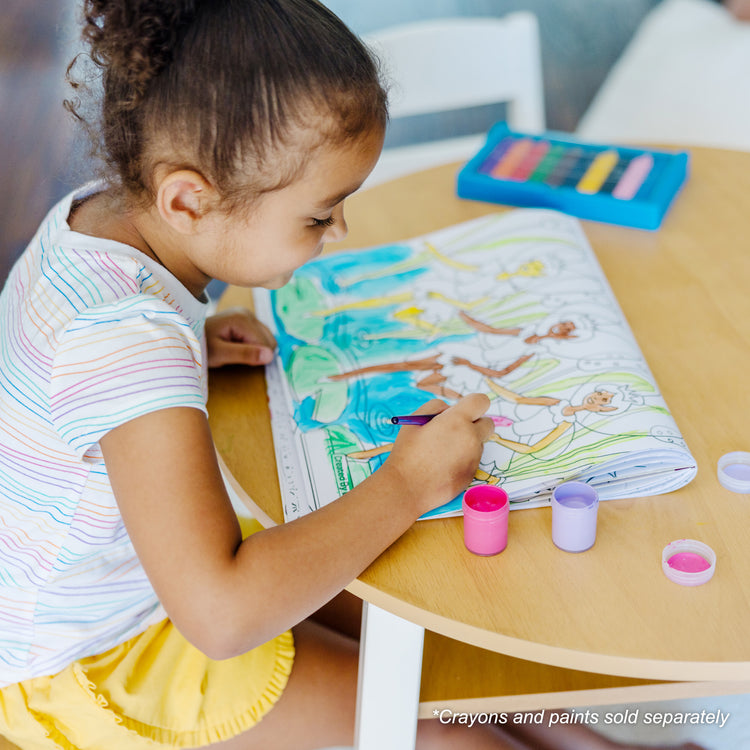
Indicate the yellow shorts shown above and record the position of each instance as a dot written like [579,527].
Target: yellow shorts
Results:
[154,691]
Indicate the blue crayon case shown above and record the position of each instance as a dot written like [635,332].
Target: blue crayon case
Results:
[623,185]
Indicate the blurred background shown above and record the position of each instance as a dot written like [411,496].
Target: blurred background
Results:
[43,156]
[580,41]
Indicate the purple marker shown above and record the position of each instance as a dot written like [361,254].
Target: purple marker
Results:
[420,419]
[416,419]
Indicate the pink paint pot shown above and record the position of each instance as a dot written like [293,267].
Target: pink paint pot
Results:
[485,508]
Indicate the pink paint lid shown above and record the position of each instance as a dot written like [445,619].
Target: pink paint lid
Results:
[733,471]
[688,562]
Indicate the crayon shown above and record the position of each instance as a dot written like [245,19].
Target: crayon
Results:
[633,177]
[529,162]
[597,173]
[614,176]
[512,158]
[548,163]
[495,155]
[565,166]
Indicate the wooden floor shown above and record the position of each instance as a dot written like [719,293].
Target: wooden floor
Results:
[37,40]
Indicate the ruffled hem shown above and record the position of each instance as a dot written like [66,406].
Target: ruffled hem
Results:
[206,734]
[53,734]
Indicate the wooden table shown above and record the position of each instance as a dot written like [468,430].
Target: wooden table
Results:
[565,629]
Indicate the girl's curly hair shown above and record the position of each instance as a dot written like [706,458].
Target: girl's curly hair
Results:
[218,85]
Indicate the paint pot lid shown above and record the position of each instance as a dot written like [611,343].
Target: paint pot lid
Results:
[733,471]
[688,562]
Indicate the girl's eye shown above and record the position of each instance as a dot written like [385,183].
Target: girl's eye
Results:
[329,222]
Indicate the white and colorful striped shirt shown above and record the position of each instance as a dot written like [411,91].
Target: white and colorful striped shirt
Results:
[92,334]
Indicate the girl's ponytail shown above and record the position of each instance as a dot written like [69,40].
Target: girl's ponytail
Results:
[134,40]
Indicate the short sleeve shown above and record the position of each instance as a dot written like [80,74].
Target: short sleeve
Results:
[119,361]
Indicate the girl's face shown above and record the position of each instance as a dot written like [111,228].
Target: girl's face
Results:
[289,227]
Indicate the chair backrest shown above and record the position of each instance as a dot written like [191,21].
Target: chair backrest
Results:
[456,63]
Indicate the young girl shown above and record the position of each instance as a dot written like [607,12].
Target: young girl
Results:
[132,613]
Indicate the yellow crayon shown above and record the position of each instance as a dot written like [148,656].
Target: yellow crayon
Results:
[598,172]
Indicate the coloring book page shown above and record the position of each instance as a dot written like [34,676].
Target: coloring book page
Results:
[514,305]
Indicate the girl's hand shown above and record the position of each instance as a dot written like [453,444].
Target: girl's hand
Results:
[436,461]
[237,337]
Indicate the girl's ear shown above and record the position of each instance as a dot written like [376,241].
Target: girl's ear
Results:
[183,198]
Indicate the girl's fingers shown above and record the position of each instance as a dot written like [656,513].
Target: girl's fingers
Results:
[238,353]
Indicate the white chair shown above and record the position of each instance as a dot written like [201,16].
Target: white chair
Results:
[457,63]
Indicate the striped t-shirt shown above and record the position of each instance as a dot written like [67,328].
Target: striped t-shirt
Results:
[92,334]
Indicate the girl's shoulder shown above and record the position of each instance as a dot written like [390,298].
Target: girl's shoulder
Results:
[68,270]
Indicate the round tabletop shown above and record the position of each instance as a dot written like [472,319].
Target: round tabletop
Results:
[684,290]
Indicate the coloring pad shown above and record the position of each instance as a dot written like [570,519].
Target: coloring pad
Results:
[614,184]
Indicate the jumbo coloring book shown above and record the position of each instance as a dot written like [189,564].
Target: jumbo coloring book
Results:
[514,305]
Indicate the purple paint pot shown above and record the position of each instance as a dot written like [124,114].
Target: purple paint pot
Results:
[574,510]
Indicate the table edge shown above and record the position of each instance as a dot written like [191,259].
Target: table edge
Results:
[623,666]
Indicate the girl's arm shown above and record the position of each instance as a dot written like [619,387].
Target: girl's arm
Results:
[227,596]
